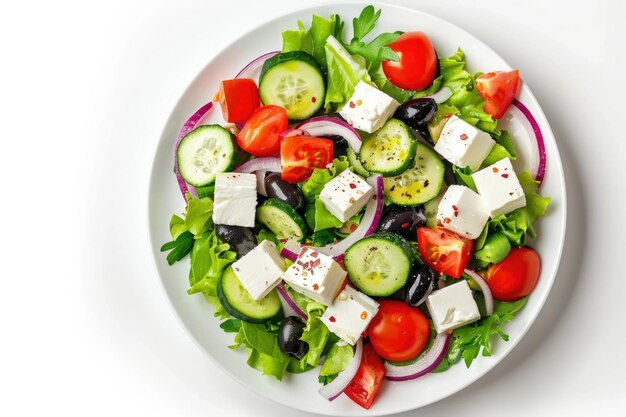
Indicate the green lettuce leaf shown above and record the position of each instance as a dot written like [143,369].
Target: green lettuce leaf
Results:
[337,359]
[199,215]
[263,351]
[315,334]
[463,176]
[312,187]
[494,249]
[504,148]
[313,40]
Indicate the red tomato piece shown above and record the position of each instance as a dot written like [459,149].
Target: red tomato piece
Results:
[239,99]
[416,68]
[365,385]
[498,88]
[299,155]
[514,277]
[398,332]
[259,135]
[444,251]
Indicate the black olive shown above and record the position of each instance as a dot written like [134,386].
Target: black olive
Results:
[416,112]
[240,238]
[420,282]
[403,221]
[275,187]
[289,334]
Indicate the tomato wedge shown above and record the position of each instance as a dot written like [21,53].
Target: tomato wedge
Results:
[515,276]
[299,155]
[238,99]
[444,251]
[260,134]
[498,88]
[417,66]
[365,385]
[398,332]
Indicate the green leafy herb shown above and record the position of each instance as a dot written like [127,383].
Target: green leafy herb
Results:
[179,247]
[231,325]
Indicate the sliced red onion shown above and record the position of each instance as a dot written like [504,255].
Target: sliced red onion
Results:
[188,126]
[484,288]
[292,132]
[260,181]
[264,163]
[249,70]
[442,95]
[334,389]
[289,254]
[441,284]
[428,291]
[326,126]
[539,165]
[290,308]
[426,364]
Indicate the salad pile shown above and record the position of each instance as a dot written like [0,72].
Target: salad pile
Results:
[357,214]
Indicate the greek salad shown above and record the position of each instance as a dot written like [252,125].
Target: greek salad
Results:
[357,214]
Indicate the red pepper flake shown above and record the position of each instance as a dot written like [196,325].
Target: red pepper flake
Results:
[359,102]
[353,227]
[456,214]
[447,220]
[447,115]
[315,263]
[363,315]
[352,105]
[352,185]
[505,175]
[332,319]
[463,136]
[316,287]
[313,99]
[315,254]
[405,225]
[439,224]
[495,169]
[455,208]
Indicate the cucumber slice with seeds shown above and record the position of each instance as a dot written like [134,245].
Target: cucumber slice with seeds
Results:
[390,150]
[204,152]
[379,265]
[418,184]
[293,80]
[282,219]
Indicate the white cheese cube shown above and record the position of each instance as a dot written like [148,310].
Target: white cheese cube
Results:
[345,195]
[315,275]
[369,108]
[260,270]
[350,314]
[499,187]
[452,307]
[462,211]
[463,144]
[235,199]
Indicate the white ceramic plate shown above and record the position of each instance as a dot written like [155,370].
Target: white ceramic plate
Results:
[300,391]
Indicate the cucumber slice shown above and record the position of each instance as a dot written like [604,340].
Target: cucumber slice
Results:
[379,265]
[293,80]
[430,211]
[204,152]
[238,303]
[282,219]
[357,167]
[390,150]
[418,184]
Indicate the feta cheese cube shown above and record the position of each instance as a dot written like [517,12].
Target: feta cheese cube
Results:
[350,314]
[462,211]
[452,307]
[235,199]
[463,144]
[260,269]
[499,187]
[315,275]
[345,195]
[369,108]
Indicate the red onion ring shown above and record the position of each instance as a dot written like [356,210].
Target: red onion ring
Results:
[441,96]
[188,126]
[267,163]
[426,364]
[326,125]
[254,65]
[339,384]
[518,106]
[290,308]
[292,132]
[484,288]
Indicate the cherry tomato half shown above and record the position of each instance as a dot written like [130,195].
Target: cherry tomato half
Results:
[238,99]
[498,89]
[516,276]
[444,251]
[365,385]
[398,332]
[416,68]
[259,135]
[299,155]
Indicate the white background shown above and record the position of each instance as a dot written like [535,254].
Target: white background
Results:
[85,89]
